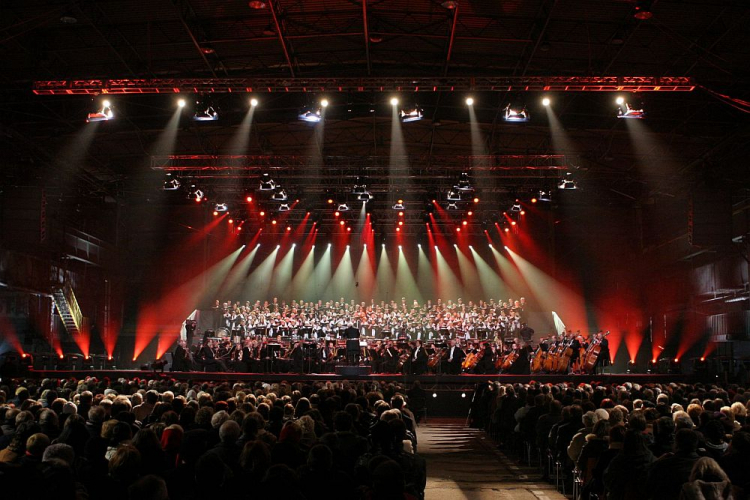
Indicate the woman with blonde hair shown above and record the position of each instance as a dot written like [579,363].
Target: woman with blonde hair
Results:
[708,481]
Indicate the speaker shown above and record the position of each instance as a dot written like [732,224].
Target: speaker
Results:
[710,218]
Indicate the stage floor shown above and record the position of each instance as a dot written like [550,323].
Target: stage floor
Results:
[429,379]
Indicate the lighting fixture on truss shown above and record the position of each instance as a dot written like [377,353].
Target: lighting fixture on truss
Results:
[279,195]
[454,195]
[343,207]
[103,115]
[399,205]
[411,115]
[516,114]
[266,183]
[626,110]
[516,208]
[365,197]
[359,186]
[452,206]
[463,183]
[221,207]
[545,195]
[171,183]
[284,207]
[567,184]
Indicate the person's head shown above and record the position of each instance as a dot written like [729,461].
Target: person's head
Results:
[36,444]
[59,451]
[708,470]
[148,488]
[343,422]
[229,431]
[125,464]
[601,429]
[685,441]
[320,458]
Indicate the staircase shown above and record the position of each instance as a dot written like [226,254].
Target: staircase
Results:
[67,307]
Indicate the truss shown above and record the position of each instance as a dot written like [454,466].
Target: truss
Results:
[422,84]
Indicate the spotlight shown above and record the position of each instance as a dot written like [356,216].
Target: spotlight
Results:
[359,187]
[256,4]
[626,110]
[266,183]
[394,101]
[284,207]
[450,4]
[469,101]
[171,183]
[221,207]
[343,207]
[399,205]
[411,115]
[365,197]
[516,115]
[567,184]
[102,115]
[205,112]
[199,195]
[310,115]
[452,206]
[463,183]
[454,196]
[279,194]
[546,101]
[516,207]
[534,200]
[253,102]
[642,10]
[181,103]
[545,196]
[249,199]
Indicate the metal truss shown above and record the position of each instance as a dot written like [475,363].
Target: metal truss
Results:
[368,84]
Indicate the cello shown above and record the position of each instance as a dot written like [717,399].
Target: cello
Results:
[537,362]
[592,355]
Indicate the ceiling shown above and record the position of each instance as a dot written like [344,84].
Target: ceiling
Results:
[688,136]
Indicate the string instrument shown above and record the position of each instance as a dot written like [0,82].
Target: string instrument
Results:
[551,361]
[511,358]
[471,360]
[563,362]
[402,359]
[434,360]
[592,355]
[537,361]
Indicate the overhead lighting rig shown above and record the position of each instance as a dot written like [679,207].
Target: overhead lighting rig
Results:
[171,183]
[266,183]
[104,114]
[627,110]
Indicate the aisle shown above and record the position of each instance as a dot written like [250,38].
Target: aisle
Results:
[462,463]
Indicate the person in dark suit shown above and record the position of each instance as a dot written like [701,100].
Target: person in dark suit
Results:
[454,357]
[181,358]
[297,357]
[418,359]
[352,344]
[390,358]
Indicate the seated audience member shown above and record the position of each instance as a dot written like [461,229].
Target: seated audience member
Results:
[707,482]
[667,474]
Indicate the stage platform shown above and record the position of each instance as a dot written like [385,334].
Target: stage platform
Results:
[465,380]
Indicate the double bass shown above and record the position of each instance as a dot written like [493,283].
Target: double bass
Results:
[472,359]
[434,360]
[537,362]
[592,354]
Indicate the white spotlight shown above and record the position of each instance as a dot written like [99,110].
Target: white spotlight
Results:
[106,103]
[394,101]
[620,100]
[324,103]
[546,101]
[469,101]
[253,102]
[181,103]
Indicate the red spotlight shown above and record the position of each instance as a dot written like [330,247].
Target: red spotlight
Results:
[61,357]
[330,201]
[231,221]
[476,200]
[400,201]
[523,212]
[239,228]
[289,228]
[349,229]
[341,223]
[273,222]
[398,229]
[198,200]
[400,223]
[24,355]
[703,358]
[507,229]
[216,213]
[249,199]
[434,201]
[401,214]
[262,213]
[676,360]
[458,229]
[512,223]
[109,358]
[471,213]
[534,200]
[465,223]
[336,214]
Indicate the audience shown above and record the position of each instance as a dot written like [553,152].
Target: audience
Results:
[163,439]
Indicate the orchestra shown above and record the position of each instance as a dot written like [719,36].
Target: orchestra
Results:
[441,338]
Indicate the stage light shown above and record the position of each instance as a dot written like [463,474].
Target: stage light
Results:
[231,221]
[171,183]
[454,196]
[516,115]
[205,111]
[365,197]
[294,245]
[469,101]
[419,245]
[104,114]
[359,187]
[411,115]
[523,212]
[627,110]
[464,184]
[341,223]
[465,223]
[452,206]
[567,184]
[399,205]
[470,213]
[398,229]
[434,394]
[324,103]
[507,230]
[394,101]
[336,213]
[343,207]
[546,101]
[642,10]
[266,183]
[253,102]
[330,201]
[284,207]
[545,196]
[512,223]
[289,228]
[310,115]
[262,213]
[533,200]
[221,207]
[273,222]
[505,247]
[516,207]
[279,194]
[476,200]
[458,229]
[400,223]
[329,245]
[198,195]
[181,103]
[256,4]
[348,229]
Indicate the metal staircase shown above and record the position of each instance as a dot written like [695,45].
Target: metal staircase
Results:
[67,307]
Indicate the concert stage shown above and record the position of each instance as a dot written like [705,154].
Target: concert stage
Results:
[448,381]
